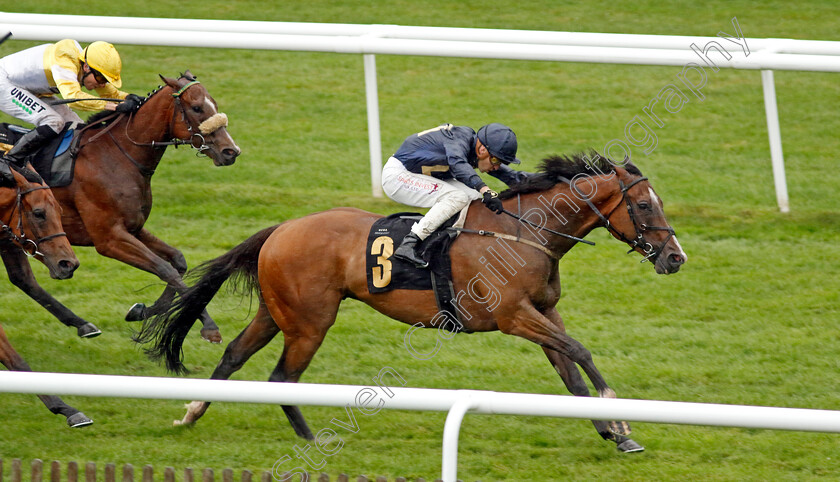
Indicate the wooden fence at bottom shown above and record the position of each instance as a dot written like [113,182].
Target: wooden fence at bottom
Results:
[146,474]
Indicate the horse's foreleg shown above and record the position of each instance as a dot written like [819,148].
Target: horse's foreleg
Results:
[547,330]
[256,335]
[14,362]
[20,274]
[115,242]
[139,311]
[615,431]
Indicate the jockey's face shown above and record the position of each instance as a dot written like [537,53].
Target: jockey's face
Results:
[92,79]
[486,162]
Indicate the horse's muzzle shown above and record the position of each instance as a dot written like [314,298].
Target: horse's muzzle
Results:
[64,269]
[670,263]
[227,156]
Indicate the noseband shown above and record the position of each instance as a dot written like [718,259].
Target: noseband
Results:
[29,246]
[640,228]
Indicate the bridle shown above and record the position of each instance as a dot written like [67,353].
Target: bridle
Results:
[206,127]
[196,139]
[640,228]
[201,129]
[29,246]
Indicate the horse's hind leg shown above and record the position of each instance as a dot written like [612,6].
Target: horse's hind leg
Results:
[615,431]
[280,374]
[256,335]
[304,329]
[139,311]
[13,361]
[20,274]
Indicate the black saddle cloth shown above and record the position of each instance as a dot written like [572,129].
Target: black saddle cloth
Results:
[54,161]
[386,273]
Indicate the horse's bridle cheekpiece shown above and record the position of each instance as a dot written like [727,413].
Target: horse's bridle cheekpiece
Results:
[208,126]
[640,228]
[29,246]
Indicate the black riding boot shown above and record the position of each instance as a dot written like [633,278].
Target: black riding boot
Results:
[28,144]
[407,251]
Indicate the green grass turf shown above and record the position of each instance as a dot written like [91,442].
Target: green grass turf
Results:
[750,319]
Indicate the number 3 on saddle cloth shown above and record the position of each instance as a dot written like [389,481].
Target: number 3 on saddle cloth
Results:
[386,273]
[54,161]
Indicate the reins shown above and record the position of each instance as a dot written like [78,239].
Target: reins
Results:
[542,228]
[639,241]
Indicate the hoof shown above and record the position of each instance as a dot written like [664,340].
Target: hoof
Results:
[629,446]
[136,313]
[88,330]
[212,335]
[619,428]
[78,420]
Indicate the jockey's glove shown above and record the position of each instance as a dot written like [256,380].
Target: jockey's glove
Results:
[491,200]
[129,104]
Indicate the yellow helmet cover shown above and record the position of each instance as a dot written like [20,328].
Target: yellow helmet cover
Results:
[103,57]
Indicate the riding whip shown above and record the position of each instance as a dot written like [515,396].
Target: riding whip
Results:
[5,37]
[67,101]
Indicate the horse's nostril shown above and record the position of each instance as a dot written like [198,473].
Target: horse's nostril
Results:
[67,265]
[677,258]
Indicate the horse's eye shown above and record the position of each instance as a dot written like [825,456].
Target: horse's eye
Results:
[39,214]
[197,109]
[644,205]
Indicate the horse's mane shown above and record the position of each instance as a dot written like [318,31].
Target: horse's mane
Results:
[555,168]
[28,174]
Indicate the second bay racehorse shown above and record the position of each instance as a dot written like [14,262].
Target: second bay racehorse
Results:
[110,198]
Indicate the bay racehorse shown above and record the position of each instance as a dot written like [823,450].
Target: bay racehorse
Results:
[304,267]
[110,198]
[30,225]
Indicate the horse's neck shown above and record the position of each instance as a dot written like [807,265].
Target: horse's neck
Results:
[156,126]
[150,125]
[563,210]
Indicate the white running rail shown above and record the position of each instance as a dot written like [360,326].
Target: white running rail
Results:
[456,402]
[766,54]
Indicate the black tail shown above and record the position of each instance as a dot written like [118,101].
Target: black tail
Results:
[168,329]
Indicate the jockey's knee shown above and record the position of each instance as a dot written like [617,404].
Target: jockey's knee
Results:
[455,198]
[50,126]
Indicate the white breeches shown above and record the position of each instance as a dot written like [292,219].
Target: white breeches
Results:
[28,107]
[444,197]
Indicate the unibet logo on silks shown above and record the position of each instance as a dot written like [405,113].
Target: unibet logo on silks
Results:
[26,102]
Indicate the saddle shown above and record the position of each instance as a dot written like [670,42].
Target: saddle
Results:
[386,273]
[55,161]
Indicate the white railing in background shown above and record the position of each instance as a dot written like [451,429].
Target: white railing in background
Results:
[668,50]
[456,402]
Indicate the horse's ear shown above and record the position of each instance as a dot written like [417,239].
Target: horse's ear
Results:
[7,179]
[189,75]
[170,82]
